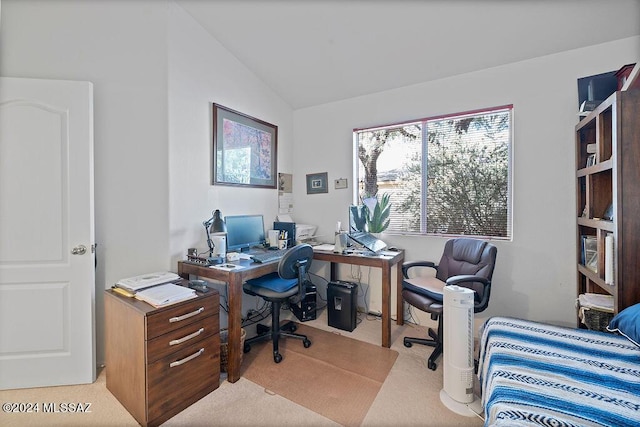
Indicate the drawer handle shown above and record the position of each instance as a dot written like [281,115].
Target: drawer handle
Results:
[186,316]
[187,338]
[186,359]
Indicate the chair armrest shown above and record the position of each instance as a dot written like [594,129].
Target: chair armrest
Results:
[408,265]
[465,278]
[469,278]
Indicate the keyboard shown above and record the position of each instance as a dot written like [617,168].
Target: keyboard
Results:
[268,256]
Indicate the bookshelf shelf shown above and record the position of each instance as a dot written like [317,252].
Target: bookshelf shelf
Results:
[597,224]
[607,177]
[596,280]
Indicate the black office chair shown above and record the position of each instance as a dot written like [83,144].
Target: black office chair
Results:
[287,284]
[465,262]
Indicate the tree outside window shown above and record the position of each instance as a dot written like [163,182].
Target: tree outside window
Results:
[448,175]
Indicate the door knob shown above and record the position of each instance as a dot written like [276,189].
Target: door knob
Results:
[79,250]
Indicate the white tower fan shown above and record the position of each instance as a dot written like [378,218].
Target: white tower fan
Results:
[457,393]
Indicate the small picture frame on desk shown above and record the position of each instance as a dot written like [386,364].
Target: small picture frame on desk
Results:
[317,183]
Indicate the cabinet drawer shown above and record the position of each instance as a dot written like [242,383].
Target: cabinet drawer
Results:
[175,317]
[178,339]
[172,380]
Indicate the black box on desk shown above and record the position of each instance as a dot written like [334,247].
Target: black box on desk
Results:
[305,310]
[342,303]
[290,228]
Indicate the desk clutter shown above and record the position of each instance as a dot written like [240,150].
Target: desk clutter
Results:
[159,289]
[167,294]
[143,281]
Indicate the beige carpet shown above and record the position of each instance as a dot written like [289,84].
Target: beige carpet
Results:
[409,396]
[337,377]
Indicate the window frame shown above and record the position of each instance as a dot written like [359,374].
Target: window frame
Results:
[424,159]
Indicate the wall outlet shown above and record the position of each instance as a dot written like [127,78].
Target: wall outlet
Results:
[340,183]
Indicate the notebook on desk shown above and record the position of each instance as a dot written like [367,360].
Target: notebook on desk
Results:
[368,240]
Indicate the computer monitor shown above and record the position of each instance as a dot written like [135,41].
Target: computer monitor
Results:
[244,232]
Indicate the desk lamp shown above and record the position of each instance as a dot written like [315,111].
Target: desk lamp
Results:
[216,226]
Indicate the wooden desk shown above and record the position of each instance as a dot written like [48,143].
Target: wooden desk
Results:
[234,280]
[385,263]
[250,270]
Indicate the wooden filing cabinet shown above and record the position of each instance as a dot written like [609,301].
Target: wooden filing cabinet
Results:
[159,361]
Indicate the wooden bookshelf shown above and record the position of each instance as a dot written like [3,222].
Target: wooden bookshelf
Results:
[610,182]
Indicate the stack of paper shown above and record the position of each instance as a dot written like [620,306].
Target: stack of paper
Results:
[167,294]
[136,283]
[596,301]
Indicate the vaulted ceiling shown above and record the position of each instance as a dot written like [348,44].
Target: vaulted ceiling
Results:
[312,52]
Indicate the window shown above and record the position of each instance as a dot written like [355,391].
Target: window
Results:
[448,175]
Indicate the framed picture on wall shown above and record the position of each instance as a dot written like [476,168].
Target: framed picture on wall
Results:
[317,183]
[244,150]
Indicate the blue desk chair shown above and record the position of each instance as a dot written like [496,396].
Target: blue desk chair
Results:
[287,284]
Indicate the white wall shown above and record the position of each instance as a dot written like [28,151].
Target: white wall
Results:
[101,42]
[535,273]
[155,75]
[121,48]
[202,72]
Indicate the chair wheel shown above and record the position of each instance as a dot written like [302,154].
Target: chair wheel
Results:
[431,365]
[246,348]
[306,343]
[277,358]
[408,344]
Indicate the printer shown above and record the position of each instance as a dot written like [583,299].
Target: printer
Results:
[303,232]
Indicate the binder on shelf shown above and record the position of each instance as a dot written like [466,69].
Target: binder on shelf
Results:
[608,259]
[143,281]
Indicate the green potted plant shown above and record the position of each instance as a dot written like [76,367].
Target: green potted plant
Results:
[377,213]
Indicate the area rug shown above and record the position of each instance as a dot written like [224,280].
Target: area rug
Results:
[337,377]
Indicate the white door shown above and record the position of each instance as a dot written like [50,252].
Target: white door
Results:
[47,292]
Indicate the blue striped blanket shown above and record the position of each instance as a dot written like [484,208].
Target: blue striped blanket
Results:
[534,374]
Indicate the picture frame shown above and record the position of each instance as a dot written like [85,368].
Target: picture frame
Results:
[244,150]
[317,183]
[589,255]
[608,213]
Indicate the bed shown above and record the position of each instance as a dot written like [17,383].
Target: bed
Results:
[534,374]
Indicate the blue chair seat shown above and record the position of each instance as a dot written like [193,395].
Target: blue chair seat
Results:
[274,282]
[271,286]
